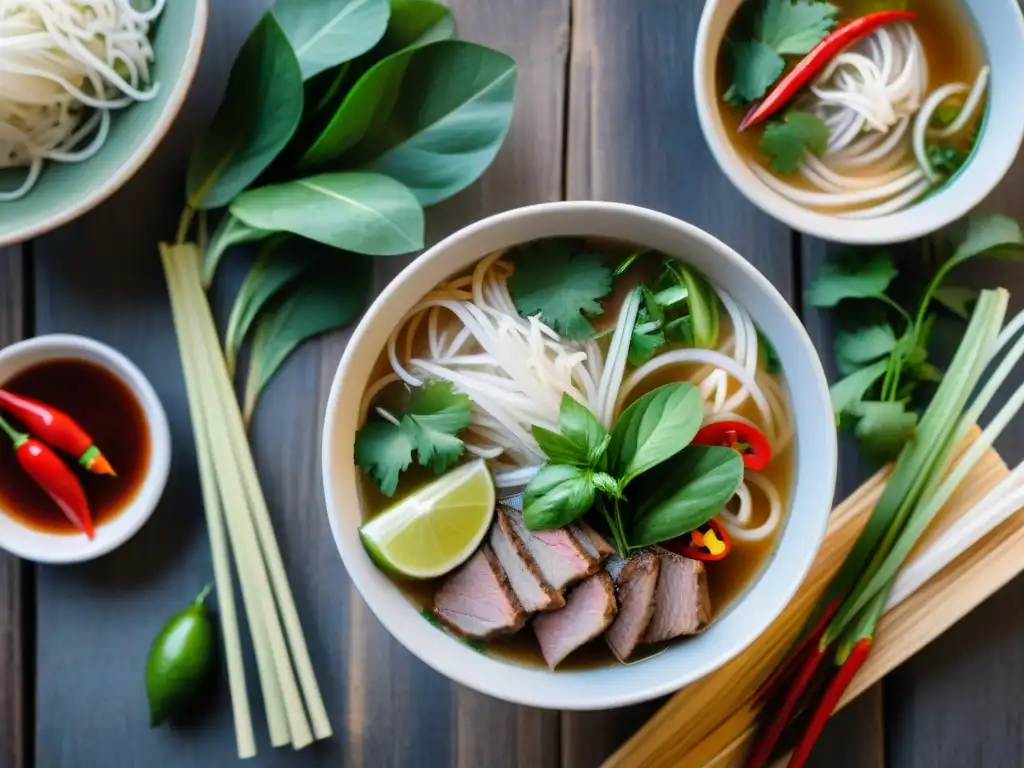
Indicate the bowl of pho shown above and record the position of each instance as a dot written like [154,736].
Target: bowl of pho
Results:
[561,459]
[88,88]
[827,115]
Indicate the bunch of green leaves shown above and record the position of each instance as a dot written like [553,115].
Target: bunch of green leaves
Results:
[679,310]
[341,121]
[881,349]
[764,32]
[673,487]
[429,427]
[786,141]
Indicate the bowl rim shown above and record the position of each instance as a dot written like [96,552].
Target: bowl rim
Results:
[570,689]
[136,159]
[111,535]
[988,165]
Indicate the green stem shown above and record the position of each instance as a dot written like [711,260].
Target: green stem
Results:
[18,438]
[903,313]
[201,597]
[940,275]
[185,224]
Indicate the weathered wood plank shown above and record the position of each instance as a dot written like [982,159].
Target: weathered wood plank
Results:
[446,724]
[954,703]
[633,136]
[13,658]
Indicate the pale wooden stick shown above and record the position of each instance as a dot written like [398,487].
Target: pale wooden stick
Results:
[711,721]
[216,408]
[261,515]
[244,737]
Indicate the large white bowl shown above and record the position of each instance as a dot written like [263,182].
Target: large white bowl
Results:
[1001,28]
[685,661]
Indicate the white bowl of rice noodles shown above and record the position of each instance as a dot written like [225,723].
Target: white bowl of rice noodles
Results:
[88,88]
[456,315]
[858,121]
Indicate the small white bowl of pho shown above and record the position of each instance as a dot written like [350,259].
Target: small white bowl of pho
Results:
[827,115]
[561,460]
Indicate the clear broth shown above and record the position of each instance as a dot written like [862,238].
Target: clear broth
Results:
[727,579]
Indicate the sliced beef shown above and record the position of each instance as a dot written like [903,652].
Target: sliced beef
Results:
[523,574]
[681,603]
[558,555]
[589,610]
[635,587]
[477,601]
[593,544]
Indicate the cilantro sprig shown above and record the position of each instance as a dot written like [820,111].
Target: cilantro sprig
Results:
[785,141]
[779,28]
[883,355]
[429,427]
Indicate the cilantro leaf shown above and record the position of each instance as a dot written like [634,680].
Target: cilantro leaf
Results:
[855,348]
[771,356]
[884,428]
[645,342]
[957,299]
[860,278]
[680,330]
[436,414]
[848,392]
[945,159]
[561,286]
[755,68]
[786,141]
[795,26]
[990,234]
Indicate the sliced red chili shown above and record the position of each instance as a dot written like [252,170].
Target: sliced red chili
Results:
[815,61]
[709,542]
[751,444]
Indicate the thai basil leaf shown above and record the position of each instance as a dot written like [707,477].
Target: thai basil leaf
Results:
[414,23]
[582,428]
[654,428]
[327,297]
[360,212]
[695,487]
[325,33]
[556,496]
[230,231]
[258,115]
[558,448]
[450,116]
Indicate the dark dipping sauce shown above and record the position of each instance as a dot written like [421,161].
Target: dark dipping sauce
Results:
[105,408]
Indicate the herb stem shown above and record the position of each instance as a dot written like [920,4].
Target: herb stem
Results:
[903,313]
[184,224]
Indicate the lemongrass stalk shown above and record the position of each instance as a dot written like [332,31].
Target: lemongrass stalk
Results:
[236,496]
[192,364]
[1003,501]
[236,436]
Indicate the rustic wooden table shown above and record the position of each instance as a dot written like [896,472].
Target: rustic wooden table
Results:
[605,111]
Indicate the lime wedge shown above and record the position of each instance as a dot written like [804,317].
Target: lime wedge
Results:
[436,528]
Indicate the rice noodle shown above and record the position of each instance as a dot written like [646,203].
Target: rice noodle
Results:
[64,66]
[739,524]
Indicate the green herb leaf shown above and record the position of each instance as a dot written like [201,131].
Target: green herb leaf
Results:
[755,68]
[694,487]
[230,231]
[556,496]
[582,428]
[644,343]
[606,484]
[680,331]
[855,348]
[416,23]
[360,212]
[558,448]
[795,26]
[671,296]
[325,33]
[851,278]
[430,426]
[327,297]
[992,235]
[786,141]
[884,428]
[560,284]
[450,118]
[946,159]
[282,261]
[628,262]
[772,363]
[654,428]
[257,117]
[848,392]
[703,303]
[957,299]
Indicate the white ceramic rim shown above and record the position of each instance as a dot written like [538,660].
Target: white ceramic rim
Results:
[135,161]
[745,620]
[1000,25]
[51,548]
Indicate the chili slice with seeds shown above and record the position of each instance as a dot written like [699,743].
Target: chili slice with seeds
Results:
[709,542]
[752,445]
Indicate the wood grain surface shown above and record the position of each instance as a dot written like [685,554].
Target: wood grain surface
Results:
[604,111]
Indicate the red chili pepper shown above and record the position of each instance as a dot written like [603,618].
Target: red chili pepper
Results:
[800,651]
[834,692]
[53,476]
[56,428]
[815,61]
[696,545]
[748,440]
